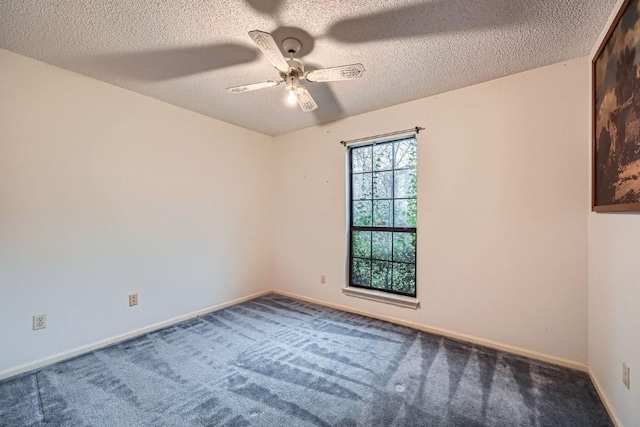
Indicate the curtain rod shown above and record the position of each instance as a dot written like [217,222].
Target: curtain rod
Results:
[416,129]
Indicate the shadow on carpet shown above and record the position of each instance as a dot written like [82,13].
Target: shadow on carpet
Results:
[276,361]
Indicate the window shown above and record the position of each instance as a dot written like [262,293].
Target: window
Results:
[383,210]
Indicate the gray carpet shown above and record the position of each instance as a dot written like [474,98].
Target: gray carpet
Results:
[275,361]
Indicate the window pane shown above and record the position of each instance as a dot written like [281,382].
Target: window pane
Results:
[405,184]
[361,213]
[404,247]
[362,186]
[404,278]
[361,159]
[405,213]
[383,205]
[383,185]
[381,275]
[406,153]
[361,244]
[381,245]
[383,157]
[382,214]
[361,274]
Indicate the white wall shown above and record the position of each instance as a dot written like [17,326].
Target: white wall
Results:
[614,309]
[104,192]
[502,210]
[614,302]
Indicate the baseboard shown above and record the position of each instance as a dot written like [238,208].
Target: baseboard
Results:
[605,401]
[450,334]
[443,332]
[109,341]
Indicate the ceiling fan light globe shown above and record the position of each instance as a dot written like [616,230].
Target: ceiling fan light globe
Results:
[292,99]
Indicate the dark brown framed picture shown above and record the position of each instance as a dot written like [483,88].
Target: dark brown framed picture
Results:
[616,115]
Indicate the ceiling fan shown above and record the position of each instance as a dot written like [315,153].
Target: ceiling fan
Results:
[292,71]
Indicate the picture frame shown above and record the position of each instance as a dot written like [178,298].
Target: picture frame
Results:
[616,115]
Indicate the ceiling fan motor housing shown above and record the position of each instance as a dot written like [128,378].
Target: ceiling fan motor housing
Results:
[296,67]
[291,82]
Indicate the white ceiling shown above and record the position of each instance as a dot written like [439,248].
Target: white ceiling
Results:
[187,52]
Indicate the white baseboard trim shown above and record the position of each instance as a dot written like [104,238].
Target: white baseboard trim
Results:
[605,401]
[450,334]
[109,341]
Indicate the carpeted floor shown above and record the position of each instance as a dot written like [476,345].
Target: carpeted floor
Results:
[275,361]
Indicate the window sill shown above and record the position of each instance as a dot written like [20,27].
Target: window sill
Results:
[387,298]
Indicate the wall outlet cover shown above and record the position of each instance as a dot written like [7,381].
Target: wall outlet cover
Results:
[39,321]
[626,375]
[133,300]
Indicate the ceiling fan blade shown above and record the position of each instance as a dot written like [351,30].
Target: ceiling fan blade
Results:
[253,86]
[305,100]
[268,46]
[344,72]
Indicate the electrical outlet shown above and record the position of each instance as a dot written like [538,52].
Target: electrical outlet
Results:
[323,279]
[39,321]
[133,300]
[625,375]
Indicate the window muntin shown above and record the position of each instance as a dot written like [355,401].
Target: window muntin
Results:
[383,213]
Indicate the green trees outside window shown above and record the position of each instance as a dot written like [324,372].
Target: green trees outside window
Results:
[383,213]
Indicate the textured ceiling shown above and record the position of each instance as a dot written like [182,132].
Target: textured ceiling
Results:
[187,52]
